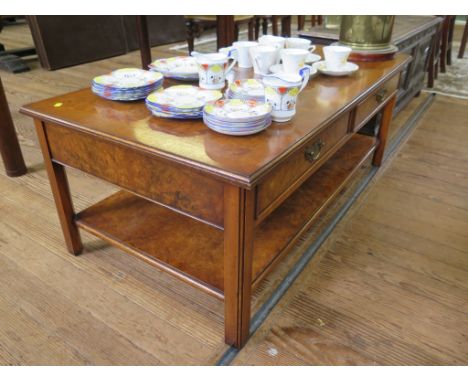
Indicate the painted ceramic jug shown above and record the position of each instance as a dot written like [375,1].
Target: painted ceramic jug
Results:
[212,69]
[281,91]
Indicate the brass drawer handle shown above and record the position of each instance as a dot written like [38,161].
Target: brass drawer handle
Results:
[312,153]
[381,95]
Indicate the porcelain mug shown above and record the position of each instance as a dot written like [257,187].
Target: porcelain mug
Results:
[240,50]
[212,69]
[263,57]
[281,91]
[299,43]
[273,41]
[293,59]
[336,56]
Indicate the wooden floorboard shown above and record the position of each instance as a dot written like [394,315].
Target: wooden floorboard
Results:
[388,287]
[392,285]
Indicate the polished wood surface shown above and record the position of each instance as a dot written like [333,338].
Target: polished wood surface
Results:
[242,161]
[108,308]
[390,285]
[9,147]
[103,140]
[166,240]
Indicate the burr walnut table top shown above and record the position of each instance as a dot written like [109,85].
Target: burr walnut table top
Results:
[240,160]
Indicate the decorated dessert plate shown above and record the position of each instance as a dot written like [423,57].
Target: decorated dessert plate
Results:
[180,67]
[128,78]
[345,70]
[237,110]
[183,97]
[247,87]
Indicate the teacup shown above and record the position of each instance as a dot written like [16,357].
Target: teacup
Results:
[263,57]
[212,69]
[281,91]
[240,50]
[293,59]
[299,43]
[336,56]
[277,42]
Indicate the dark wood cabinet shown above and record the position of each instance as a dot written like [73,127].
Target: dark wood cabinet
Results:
[63,41]
[412,35]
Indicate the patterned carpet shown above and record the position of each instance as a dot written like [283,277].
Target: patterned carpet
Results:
[454,82]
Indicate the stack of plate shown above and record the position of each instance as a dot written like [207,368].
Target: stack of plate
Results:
[181,101]
[246,89]
[128,84]
[237,117]
[180,68]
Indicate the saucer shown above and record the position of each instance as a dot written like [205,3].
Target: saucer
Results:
[346,70]
[278,68]
[312,57]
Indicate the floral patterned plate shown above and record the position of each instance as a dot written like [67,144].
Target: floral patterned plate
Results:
[180,67]
[183,97]
[237,110]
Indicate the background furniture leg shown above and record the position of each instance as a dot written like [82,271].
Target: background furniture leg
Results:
[300,22]
[274,22]
[461,52]
[143,40]
[61,192]
[286,26]
[383,131]
[225,31]
[9,146]
[238,248]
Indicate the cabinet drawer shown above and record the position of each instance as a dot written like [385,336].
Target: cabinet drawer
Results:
[290,174]
[367,108]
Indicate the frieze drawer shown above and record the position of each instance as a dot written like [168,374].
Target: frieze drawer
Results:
[295,170]
[373,103]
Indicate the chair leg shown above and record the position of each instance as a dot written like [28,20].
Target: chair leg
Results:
[450,39]
[265,25]
[257,27]
[430,69]
[461,52]
[236,32]
[274,21]
[300,22]
[251,29]
[286,26]
[190,35]
[443,47]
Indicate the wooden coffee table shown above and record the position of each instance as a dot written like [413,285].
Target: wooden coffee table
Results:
[215,211]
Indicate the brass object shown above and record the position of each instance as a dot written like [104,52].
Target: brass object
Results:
[366,32]
[381,95]
[312,153]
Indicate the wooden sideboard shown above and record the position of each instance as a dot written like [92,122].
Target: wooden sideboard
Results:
[215,211]
[412,35]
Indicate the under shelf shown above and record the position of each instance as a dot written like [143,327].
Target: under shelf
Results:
[193,251]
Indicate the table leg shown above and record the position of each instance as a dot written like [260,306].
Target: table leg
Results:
[238,248]
[61,191]
[143,41]
[383,131]
[9,147]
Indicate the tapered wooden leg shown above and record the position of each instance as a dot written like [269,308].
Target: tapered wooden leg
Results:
[238,248]
[383,131]
[464,39]
[61,191]
[9,147]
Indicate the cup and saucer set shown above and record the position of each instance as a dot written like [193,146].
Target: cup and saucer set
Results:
[336,62]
